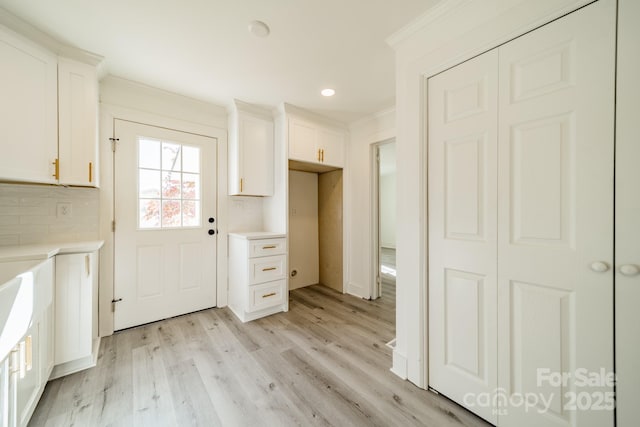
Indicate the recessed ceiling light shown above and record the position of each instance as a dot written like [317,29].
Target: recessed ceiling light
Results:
[328,92]
[259,29]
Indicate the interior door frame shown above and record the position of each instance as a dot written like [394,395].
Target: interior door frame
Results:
[108,114]
[375,286]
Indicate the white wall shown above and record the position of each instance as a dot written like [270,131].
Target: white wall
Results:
[451,32]
[388,189]
[303,229]
[28,214]
[360,266]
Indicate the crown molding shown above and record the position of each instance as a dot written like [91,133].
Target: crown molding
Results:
[40,37]
[432,15]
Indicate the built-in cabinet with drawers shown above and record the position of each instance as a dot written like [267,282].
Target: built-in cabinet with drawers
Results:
[48,114]
[251,155]
[257,274]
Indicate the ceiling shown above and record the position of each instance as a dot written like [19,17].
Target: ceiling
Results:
[202,48]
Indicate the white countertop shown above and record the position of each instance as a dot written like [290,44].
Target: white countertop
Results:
[46,250]
[254,235]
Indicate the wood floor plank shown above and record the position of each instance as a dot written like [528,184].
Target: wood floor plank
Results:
[152,401]
[323,363]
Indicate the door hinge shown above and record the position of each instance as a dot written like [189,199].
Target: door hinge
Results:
[113,143]
[378,279]
[113,226]
[113,304]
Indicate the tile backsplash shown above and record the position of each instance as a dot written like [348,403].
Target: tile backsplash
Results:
[36,214]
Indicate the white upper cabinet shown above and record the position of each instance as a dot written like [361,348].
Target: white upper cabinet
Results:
[78,123]
[314,143]
[251,155]
[48,115]
[28,110]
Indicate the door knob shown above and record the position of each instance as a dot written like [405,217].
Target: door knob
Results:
[599,266]
[212,232]
[629,270]
[212,219]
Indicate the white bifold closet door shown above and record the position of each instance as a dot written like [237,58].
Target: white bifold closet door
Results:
[463,136]
[550,310]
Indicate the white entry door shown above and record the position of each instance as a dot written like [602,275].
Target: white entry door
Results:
[165,207]
[463,128]
[521,226]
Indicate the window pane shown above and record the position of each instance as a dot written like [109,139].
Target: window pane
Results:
[170,185]
[149,214]
[190,159]
[171,213]
[171,157]
[148,153]
[149,184]
[190,186]
[190,214]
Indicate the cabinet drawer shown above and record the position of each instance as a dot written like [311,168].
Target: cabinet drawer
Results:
[266,269]
[266,295]
[267,247]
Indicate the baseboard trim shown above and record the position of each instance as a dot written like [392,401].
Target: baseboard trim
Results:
[399,364]
[74,366]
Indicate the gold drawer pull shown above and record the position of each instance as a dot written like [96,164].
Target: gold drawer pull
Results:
[268,268]
[269,295]
[269,247]
[90,172]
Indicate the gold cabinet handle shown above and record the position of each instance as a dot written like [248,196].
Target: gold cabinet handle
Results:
[269,269]
[56,164]
[268,295]
[319,158]
[90,172]
[269,247]
[241,184]
[322,151]
[28,341]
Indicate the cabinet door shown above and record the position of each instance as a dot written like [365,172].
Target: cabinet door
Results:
[73,323]
[28,110]
[78,118]
[331,144]
[256,157]
[28,376]
[302,141]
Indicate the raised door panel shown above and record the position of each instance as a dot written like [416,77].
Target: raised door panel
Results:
[73,326]
[28,110]
[627,234]
[555,214]
[78,123]
[332,144]
[303,138]
[257,156]
[462,186]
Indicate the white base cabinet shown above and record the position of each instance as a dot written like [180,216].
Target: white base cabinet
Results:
[76,313]
[257,274]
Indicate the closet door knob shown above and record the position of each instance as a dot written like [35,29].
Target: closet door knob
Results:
[629,270]
[599,266]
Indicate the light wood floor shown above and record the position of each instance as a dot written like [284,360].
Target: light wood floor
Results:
[323,363]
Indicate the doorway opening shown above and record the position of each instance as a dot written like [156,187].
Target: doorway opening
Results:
[384,220]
